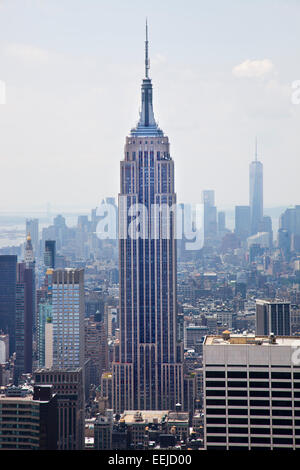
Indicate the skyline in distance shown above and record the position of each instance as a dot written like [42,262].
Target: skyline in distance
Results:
[72,88]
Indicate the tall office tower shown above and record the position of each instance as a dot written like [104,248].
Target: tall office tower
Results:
[147,370]
[221,222]
[265,225]
[242,222]
[45,335]
[251,392]
[24,320]
[96,348]
[60,230]
[210,215]
[69,388]
[289,223]
[8,280]
[256,193]
[28,421]
[273,317]
[68,318]
[29,260]
[50,254]
[290,220]
[284,242]
[32,229]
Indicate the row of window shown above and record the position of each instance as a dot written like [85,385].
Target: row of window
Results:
[251,412]
[243,384]
[252,374]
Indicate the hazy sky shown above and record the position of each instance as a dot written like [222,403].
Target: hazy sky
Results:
[222,73]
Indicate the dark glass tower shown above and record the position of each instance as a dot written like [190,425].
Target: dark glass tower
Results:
[49,255]
[24,319]
[147,369]
[8,280]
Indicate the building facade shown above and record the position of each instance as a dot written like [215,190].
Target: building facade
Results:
[68,385]
[147,369]
[24,320]
[28,422]
[273,317]
[68,318]
[242,222]
[251,392]
[8,281]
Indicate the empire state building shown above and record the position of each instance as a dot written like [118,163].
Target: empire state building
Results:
[148,359]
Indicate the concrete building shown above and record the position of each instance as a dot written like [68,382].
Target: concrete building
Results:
[96,348]
[103,431]
[68,384]
[251,392]
[28,421]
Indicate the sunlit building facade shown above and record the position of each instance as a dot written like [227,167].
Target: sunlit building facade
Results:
[147,370]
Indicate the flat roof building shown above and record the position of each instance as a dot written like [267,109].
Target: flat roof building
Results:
[251,391]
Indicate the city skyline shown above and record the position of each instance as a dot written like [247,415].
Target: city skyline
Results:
[81,90]
[149,285]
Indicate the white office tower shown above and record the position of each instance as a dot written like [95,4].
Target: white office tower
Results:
[68,318]
[251,392]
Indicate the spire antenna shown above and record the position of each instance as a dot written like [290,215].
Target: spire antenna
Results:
[147,62]
[256,149]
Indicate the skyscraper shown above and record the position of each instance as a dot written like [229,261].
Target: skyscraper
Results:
[8,279]
[68,318]
[68,385]
[273,317]
[210,215]
[251,397]
[256,193]
[32,229]
[242,222]
[29,260]
[147,368]
[24,319]
[49,254]
[96,348]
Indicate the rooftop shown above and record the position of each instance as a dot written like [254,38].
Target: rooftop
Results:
[143,416]
[251,339]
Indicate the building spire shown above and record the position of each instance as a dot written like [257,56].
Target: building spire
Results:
[147,62]
[256,148]
[147,125]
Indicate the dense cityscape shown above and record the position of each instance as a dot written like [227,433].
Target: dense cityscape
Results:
[117,341]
